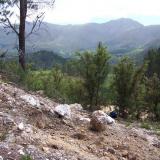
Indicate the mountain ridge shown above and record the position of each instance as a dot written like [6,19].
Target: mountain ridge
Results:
[121,36]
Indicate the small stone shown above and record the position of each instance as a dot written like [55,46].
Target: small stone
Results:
[111,150]
[21,126]
[85,120]
[132,156]
[124,153]
[21,152]
[29,130]
[45,149]
[156,144]
[1,158]
[76,107]
[109,119]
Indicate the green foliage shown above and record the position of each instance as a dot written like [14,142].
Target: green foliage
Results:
[35,80]
[3,136]
[153,95]
[123,74]
[45,59]
[71,67]
[153,59]
[93,69]
[107,94]
[72,88]
[145,125]
[53,83]
[13,71]
[26,157]
[56,85]
[127,83]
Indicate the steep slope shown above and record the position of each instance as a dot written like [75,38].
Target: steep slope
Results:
[143,37]
[28,126]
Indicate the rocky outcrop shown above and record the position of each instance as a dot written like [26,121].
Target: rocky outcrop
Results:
[76,107]
[31,100]
[100,120]
[63,110]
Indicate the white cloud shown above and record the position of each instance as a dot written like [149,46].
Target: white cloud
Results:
[82,11]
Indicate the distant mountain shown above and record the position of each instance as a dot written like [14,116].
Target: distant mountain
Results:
[122,36]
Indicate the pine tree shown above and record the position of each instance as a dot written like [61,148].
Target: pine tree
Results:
[94,69]
[126,82]
[153,95]
[153,59]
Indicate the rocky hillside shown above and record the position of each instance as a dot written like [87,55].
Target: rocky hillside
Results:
[34,127]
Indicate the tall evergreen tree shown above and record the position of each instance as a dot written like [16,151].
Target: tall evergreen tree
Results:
[94,69]
[153,95]
[153,59]
[127,80]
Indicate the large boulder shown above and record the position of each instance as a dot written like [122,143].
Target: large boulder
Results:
[63,110]
[99,120]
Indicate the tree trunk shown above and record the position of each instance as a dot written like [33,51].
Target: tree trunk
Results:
[97,94]
[156,114]
[23,11]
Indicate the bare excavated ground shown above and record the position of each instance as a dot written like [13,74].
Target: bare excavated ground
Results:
[44,136]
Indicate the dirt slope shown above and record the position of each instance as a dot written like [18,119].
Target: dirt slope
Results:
[28,126]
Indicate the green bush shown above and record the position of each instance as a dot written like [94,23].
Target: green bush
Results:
[72,88]
[35,80]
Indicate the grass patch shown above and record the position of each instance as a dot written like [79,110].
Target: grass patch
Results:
[26,157]
[3,136]
[127,124]
[158,133]
[145,125]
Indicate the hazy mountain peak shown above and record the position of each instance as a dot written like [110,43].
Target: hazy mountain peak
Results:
[128,23]
[126,20]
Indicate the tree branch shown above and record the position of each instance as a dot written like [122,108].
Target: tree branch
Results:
[39,20]
[11,26]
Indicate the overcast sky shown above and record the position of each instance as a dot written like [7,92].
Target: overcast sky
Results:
[84,11]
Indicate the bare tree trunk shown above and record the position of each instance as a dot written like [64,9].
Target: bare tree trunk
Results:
[23,11]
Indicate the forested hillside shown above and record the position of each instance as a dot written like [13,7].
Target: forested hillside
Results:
[122,36]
